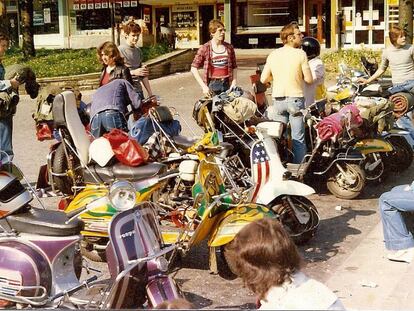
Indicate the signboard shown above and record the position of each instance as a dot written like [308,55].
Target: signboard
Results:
[254,41]
[134,3]
[76,5]
[126,4]
[83,4]
[184,8]
[46,16]
[98,4]
[104,4]
[91,5]
[147,14]
[38,19]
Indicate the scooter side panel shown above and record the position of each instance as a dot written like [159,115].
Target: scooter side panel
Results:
[366,146]
[231,222]
[20,259]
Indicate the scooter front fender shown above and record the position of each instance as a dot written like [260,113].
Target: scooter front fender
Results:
[160,289]
[233,220]
[272,190]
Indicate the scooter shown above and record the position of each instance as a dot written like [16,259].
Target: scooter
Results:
[40,264]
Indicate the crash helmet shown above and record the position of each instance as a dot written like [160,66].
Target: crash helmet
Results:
[13,195]
[311,47]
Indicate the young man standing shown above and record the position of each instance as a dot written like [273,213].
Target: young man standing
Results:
[218,60]
[133,58]
[6,118]
[288,68]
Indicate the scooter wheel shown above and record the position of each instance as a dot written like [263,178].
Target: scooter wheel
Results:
[298,216]
[346,183]
[60,166]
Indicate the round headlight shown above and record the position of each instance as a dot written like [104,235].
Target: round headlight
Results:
[122,195]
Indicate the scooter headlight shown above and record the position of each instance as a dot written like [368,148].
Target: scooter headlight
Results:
[122,195]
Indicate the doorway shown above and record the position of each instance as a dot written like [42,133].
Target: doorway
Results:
[206,13]
[316,19]
[162,18]
[364,23]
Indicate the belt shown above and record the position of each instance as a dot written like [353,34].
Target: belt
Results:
[109,110]
[219,79]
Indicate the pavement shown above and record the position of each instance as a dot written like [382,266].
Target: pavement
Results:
[347,253]
[367,280]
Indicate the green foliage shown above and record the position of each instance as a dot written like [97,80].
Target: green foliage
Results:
[350,57]
[68,62]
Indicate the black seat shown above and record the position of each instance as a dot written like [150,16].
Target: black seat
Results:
[121,171]
[183,141]
[44,222]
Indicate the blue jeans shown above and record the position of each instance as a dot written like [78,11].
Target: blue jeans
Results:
[6,145]
[287,109]
[392,204]
[406,123]
[104,121]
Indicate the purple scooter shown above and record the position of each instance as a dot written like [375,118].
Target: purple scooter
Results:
[40,261]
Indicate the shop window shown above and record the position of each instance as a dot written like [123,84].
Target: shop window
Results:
[45,16]
[93,19]
[256,13]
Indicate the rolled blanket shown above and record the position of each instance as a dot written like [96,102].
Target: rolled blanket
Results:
[331,126]
[403,102]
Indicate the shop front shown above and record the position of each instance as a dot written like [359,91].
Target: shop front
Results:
[187,20]
[364,22]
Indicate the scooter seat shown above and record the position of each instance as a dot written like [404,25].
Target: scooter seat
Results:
[119,171]
[184,142]
[44,222]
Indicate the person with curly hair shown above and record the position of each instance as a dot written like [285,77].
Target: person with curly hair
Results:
[264,256]
[113,64]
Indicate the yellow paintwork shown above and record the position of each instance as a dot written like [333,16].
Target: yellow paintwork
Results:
[232,221]
[366,146]
[343,94]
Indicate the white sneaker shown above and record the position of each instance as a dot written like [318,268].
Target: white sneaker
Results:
[403,255]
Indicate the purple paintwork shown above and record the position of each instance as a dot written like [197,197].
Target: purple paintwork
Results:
[32,266]
[52,248]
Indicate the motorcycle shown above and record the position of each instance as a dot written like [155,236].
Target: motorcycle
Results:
[41,262]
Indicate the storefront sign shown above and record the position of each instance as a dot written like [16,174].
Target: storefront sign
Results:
[253,41]
[134,3]
[46,16]
[147,13]
[91,5]
[38,19]
[126,4]
[98,4]
[76,5]
[104,4]
[184,8]
[83,4]
[220,10]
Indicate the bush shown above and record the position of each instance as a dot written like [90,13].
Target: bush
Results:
[351,57]
[67,62]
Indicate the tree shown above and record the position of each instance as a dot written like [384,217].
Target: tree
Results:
[405,8]
[3,16]
[26,17]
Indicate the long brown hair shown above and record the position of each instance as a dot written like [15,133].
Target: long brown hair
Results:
[263,255]
[394,33]
[110,49]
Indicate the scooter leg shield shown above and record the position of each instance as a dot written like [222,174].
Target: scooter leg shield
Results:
[233,220]
[272,190]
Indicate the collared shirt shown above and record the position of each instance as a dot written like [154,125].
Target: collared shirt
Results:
[4,84]
[116,95]
[203,59]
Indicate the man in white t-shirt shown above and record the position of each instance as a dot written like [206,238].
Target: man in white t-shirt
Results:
[288,67]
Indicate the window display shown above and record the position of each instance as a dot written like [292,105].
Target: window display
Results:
[184,21]
[45,17]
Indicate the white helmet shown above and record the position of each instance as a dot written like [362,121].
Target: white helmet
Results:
[13,195]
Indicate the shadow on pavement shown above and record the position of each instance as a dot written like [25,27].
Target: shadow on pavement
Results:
[331,233]
[198,301]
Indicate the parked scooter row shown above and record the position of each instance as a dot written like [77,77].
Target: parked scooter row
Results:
[41,262]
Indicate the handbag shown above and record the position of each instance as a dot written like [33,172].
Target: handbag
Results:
[127,150]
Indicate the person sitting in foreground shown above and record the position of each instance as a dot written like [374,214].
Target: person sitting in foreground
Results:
[109,105]
[398,239]
[267,260]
